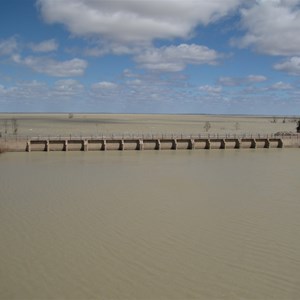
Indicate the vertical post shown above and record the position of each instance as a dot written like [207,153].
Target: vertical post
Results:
[122,145]
[208,145]
[66,146]
[104,145]
[85,145]
[280,143]
[267,143]
[28,146]
[47,145]
[140,144]
[174,146]
[158,145]
[192,144]
[223,144]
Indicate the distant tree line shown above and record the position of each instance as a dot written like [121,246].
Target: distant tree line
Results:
[284,119]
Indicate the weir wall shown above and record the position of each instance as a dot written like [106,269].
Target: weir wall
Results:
[18,144]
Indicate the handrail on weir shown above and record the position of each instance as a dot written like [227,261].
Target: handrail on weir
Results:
[152,136]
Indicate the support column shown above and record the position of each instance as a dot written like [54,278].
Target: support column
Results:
[66,145]
[223,144]
[140,145]
[267,143]
[158,145]
[192,144]
[253,144]
[207,146]
[85,146]
[104,148]
[238,144]
[122,145]
[47,146]
[28,146]
[280,143]
[174,146]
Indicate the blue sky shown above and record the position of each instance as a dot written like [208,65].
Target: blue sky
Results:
[158,56]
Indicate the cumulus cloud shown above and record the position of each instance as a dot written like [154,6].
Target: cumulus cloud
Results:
[27,90]
[209,89]
[51,67]
[255,79]
[67,88]
[35,95]
[104,85]
[236,81]
[175,58]
[272,27]
[45,46]
[8,46]
[291,66]
[134,21]
[100,48]
[134,82]
[281,86]
[2,90]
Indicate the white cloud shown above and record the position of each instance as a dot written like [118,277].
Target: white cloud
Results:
[134,82]
[36,95]
[104,85]
[236,81]
[67,88]
[281,86]
[134,21]
[8,46]
[26,90]
[102,48]
[228,81]
[272,27]
[255,79]
[45,46]
[51,67]
[2,90]
[209,89]
[291,66]
[175,58]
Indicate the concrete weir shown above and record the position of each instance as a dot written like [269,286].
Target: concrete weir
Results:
[163,143]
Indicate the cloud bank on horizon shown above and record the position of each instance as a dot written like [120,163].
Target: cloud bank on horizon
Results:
[166,56]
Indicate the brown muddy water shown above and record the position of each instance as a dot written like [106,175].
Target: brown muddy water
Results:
[150,225]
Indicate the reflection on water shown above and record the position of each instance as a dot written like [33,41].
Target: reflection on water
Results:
[150,225]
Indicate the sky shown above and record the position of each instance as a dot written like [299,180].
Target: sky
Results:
[150,56]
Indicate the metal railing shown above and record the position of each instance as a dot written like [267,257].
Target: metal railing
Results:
[150,136]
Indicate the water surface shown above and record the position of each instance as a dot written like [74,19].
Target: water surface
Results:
[150,225]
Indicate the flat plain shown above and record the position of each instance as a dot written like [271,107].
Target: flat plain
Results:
[34,125]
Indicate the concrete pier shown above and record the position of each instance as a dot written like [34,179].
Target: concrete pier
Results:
[141,145]
[28,146]
[158,145]
[223,144]
[85,146]
[208,144]
[192,144]
[66,146]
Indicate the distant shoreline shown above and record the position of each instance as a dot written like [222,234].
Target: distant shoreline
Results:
[149,114]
